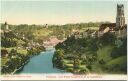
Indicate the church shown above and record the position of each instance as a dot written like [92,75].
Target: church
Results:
[119,28]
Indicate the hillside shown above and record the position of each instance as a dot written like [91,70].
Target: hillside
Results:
[92,55]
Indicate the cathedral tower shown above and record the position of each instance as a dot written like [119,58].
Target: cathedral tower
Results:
[120,19]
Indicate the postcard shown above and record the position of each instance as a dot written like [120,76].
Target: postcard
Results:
[64,40]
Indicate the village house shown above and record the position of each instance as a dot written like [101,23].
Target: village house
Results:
[119,28]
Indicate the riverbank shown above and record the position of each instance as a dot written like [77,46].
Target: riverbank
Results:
[68,63]
[16,60]
[17,48]
[41,64]
[92,55]
[20,68]
[27,61]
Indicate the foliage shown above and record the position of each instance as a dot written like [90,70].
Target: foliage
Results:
[58,58]
[107,38]
[94,53]
[18,42]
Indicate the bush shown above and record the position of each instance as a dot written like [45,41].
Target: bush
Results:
[107,38]
[69,69]
[83,71]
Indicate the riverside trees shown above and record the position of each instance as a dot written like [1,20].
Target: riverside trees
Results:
[95,55]
[58,58]
[16,50]
[28,40]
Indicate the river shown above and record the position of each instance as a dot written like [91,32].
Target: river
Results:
[41,64]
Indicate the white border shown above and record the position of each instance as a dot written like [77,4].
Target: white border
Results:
[64,76]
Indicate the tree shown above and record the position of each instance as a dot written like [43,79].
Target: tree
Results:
[107,38]
[58,58]
[76,64]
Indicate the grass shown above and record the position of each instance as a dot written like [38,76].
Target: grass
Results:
[66,61]
[119,61]
[82,66]
[105,52]
[91,28]
[38,33]
[69,69]
[4,60]
[117,65]
[97,68]
[111,65]
[69,65]
[22,51]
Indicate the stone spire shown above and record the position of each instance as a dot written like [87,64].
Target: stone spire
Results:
[6,26]
[120,19]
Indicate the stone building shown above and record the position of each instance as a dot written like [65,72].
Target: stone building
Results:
[104,28]
[120,19]
[119,28]
[6,26]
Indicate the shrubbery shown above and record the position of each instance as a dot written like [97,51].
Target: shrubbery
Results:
[102,53]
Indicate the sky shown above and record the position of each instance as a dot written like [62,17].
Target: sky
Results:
[59,11]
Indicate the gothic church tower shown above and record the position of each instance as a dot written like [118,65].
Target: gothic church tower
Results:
[120,19]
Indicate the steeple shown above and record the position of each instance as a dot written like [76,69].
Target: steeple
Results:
[120,19]
[6,26]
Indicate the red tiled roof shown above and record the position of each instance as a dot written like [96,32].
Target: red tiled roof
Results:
[110,25]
